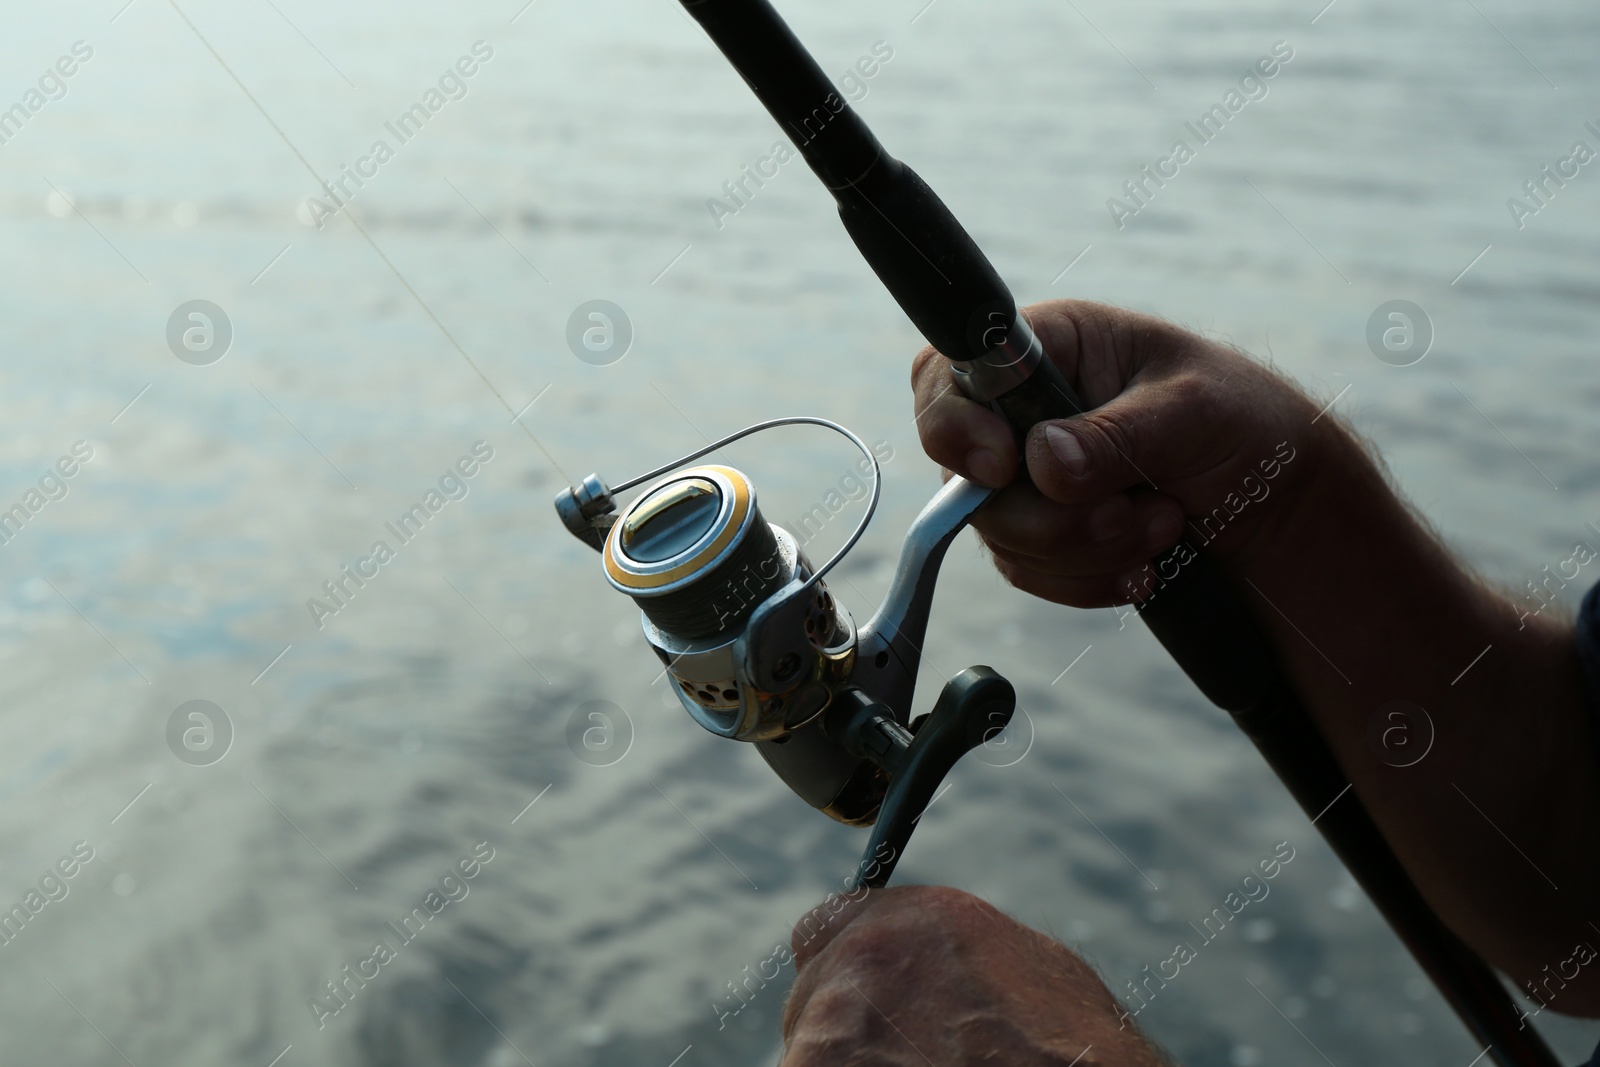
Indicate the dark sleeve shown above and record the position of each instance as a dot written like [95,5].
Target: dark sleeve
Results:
[1588,634]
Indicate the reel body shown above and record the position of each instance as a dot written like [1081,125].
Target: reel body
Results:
[758,650]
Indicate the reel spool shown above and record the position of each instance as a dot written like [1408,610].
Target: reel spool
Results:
[697,556]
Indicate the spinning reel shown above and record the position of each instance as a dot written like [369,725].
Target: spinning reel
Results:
[758,649]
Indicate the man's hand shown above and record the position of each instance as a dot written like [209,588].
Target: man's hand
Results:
[1181,427]
[914,975]
[1497,816]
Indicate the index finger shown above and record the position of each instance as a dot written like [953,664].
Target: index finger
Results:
[817,928]
[813,933]
[956,432]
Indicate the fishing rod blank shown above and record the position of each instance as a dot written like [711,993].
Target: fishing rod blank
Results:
[956,299]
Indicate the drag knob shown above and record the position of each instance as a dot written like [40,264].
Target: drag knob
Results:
[695,552]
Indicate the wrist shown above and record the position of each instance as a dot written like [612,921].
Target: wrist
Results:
[1330,489]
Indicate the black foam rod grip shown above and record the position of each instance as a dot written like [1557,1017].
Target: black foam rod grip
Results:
[925,258]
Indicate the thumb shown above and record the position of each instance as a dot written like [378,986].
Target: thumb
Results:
[1134,439]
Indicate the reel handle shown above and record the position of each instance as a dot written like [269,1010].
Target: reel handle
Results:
[971,708]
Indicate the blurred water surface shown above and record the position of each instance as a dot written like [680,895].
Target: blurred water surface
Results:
[374,751]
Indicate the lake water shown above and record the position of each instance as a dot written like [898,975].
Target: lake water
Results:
[372,748]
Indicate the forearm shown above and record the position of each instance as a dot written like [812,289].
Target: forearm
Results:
[1499,824]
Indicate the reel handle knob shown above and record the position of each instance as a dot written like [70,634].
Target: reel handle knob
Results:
[971,708]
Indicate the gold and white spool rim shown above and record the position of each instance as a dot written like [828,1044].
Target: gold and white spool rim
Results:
[734,513]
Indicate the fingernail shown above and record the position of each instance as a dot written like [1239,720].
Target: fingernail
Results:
[983,467]
[1067,450]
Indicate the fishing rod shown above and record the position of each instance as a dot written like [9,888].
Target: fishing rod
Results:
[759,650]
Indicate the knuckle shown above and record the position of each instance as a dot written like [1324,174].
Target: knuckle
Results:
[1114,331]
[1114,429]
[1164,337]
[907,920]
[931,897]
[1007,1040]
[921,362]
[945,904]
[855,1039]
[879,948]
[1156,342]
[1098,324]
[1198,395]
[807,928]
[945,433]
